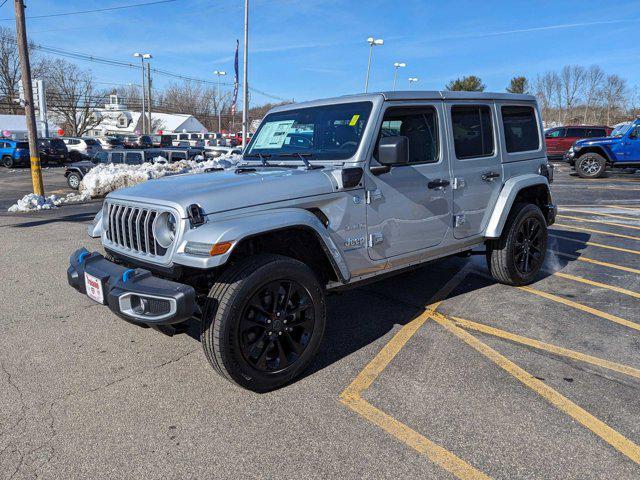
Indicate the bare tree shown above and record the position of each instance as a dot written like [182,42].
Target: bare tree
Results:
[572,81]
[613,93]
[72,97]
[547,91]
[593,84]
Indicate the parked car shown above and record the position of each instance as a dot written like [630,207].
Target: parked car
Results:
[215,152]
[76,171]
[14,153]
[109,143]
[560,139]
[52,150]
[252,252]
[80,148]
[591,157]
[174,154]
[161,140]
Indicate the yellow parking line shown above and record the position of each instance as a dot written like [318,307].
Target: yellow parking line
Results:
[613,224]
[602,214]
[594,244]
[351,396]
[591,230]
[625,207]
[613,288]
[608,188]
[582,258]
[604,431]
[584,308]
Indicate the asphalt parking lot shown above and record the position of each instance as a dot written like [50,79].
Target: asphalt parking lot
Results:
[436,373]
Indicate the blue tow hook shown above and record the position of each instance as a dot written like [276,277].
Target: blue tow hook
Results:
[82,256]
[126,274]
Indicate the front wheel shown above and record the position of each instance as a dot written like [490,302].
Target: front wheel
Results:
[8,161]
[517,256]
[591,165]
[263,321]
[73,180]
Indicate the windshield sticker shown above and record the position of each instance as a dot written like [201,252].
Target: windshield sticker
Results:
[354,120]
[273,134]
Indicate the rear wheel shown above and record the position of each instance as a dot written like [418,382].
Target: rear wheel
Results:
[73,180]
[8,161]
[263,321]
[517,256]
[591,165]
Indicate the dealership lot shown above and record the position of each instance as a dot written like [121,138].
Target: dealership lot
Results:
[435,373]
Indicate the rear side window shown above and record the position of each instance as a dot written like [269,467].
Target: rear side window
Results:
[134,158]
[179,156]
[117,157]
[596,132]
[576,132]
[520,129]
[472,131]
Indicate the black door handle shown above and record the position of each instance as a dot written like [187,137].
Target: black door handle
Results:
[490,176]
[437,184]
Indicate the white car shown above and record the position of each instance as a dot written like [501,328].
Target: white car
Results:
[109,143]
[80,148]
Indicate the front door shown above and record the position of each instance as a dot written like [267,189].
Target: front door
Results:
[553,139]
[409,207]
[477,167]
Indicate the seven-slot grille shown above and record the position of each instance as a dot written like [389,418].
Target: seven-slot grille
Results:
[132,228]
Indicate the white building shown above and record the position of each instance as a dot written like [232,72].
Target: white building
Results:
[16,125]
[115,119]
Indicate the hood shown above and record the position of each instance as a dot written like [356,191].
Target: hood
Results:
[599,140]
[220,191]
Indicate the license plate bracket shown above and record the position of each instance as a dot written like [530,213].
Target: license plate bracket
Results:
[94,288]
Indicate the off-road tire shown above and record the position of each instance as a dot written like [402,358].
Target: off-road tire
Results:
[226,302]
[7,161]
[501,253]
[591,165]
[73,180]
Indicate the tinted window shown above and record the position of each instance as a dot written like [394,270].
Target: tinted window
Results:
[117,157]
[472,131]
[101,157]
[178,156]
[22,145]
[134,158]
[420,126]
[57,143]
[576,132]
[520,129]
[90,141]
[596,132]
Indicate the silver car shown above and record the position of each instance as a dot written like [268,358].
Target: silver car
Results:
[330,193]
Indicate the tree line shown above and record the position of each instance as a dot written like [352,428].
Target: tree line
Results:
[573,95]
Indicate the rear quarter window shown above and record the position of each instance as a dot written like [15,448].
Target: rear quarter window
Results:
[521,133]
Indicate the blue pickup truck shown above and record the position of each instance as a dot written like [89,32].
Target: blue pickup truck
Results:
[590,157]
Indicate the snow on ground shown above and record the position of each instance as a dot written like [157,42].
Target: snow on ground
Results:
[107,177]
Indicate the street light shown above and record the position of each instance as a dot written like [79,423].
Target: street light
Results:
[372,43]
[412,80]
[219,74]
[396,66]
[143,57]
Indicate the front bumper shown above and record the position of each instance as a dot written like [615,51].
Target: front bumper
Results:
[133,294]
[569,157]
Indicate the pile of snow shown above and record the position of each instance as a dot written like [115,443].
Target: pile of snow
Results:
[107,177]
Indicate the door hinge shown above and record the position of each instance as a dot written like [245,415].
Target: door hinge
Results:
[373,196]
[459,183]
[375,239]
[458,220]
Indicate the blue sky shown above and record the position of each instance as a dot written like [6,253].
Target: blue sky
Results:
[305,49]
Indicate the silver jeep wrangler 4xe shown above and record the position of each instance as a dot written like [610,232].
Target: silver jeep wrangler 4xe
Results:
[329,193]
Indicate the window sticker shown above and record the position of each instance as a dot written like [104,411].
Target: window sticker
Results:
[273,134]
[354,120]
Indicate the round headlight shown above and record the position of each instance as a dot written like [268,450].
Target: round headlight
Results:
[164,229]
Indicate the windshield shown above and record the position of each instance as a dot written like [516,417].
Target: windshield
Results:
[620,130]
[328,132]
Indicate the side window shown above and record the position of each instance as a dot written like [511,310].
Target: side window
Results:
[178,156]
[117,157]
[420,126]
[134,158]
[472,131]
[576,133]
[596,132]
[520,129]
[557,133]
[102,157]
[3,144]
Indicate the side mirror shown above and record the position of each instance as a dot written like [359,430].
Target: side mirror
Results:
[393,150]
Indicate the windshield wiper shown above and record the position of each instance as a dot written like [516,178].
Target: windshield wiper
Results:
[302,156]
[261,157]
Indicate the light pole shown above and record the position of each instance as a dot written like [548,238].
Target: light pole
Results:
[142,57]
[396,66]
[412,80]
[372,43]
[245,68]
[219,74]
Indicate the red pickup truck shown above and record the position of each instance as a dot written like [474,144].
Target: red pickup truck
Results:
[560,139]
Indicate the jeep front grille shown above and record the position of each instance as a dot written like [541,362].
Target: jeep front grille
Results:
[131,228]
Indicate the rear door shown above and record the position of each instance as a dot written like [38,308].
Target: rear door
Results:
[476,164]
[573,134]
[409,207]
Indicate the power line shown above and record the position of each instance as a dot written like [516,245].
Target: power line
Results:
[81,12]
[2,4]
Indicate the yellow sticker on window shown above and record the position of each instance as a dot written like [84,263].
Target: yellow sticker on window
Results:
[354,120]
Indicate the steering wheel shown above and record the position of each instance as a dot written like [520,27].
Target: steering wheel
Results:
[347,144]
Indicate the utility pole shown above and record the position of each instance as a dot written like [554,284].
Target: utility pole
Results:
[245,86]
[25,71]
[149,97]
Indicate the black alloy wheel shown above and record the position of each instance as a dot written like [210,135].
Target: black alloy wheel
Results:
[529,244]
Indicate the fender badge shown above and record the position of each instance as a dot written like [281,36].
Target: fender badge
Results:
[356,199]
